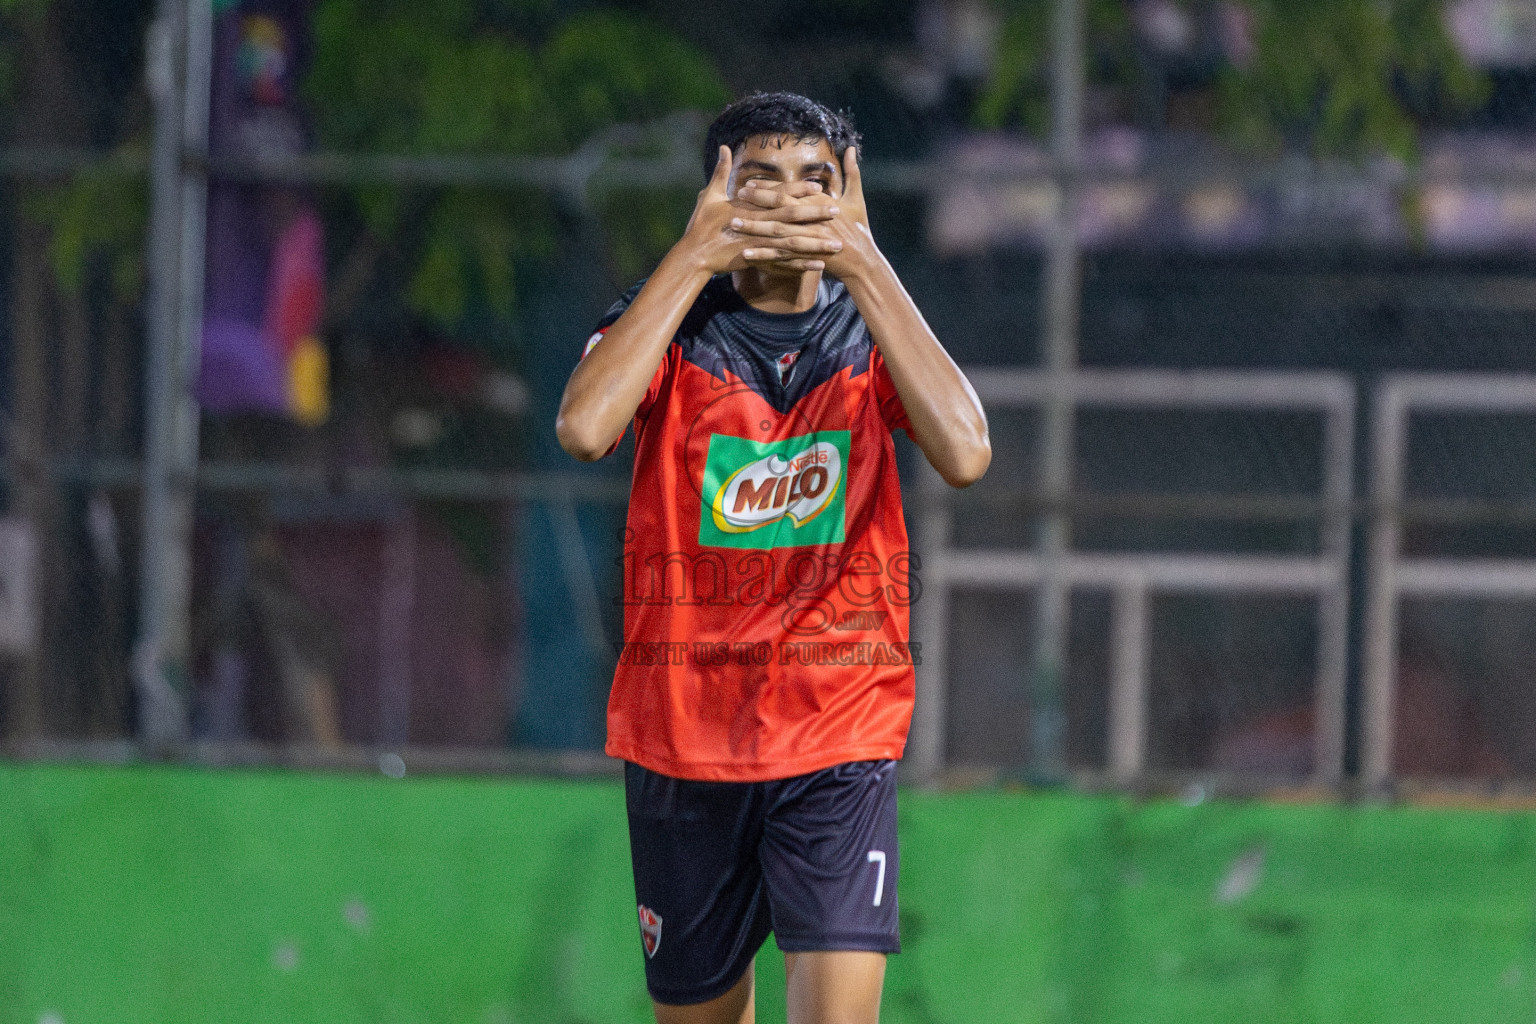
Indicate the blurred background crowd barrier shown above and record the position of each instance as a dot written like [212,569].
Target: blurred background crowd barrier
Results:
[291,289]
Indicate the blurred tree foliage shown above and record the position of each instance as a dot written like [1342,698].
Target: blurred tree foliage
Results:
[450,78]
[453,78]
[93,217]
[1344,78]
[526,78]
[1017,91]
[98,220]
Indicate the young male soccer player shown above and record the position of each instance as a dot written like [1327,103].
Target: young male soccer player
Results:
[765,687]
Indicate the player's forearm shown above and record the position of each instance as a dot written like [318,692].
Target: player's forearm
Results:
[947,420]
[608,385]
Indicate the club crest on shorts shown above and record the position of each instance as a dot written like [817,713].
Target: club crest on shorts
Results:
[650,930]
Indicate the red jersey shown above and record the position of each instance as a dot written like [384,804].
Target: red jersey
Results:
[767,576]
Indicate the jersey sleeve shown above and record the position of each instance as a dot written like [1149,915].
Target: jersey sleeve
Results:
[643,410]
[892,412]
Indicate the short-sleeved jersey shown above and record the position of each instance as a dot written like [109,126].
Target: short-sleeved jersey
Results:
[767,576]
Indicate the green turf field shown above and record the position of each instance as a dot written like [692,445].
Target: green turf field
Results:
[173,896]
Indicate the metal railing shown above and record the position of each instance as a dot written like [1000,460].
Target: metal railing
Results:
[1133,578]
[1392,577]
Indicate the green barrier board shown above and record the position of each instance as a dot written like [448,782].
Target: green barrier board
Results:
[172,896]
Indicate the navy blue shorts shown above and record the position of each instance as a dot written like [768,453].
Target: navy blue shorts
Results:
[718,865]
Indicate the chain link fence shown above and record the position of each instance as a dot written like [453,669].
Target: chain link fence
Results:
[387,551]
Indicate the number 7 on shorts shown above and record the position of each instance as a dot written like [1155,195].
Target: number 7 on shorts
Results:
[878,857]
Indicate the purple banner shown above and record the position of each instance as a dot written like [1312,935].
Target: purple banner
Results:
[265,272]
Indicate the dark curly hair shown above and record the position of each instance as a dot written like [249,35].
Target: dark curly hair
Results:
[777,113]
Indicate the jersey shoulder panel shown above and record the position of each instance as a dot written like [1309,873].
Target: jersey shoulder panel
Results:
[620,305]
[658,379]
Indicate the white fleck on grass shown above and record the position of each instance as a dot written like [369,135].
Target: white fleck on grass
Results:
[357,915]
[50,1017]
[1243,876]
[285,957]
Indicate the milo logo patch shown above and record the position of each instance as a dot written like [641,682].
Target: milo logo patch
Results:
[799,487]
[788,493]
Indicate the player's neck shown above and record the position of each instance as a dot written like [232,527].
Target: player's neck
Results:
[777,293]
